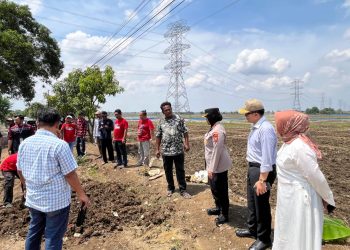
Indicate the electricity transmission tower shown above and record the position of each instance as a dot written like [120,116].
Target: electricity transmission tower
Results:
[322,101]
[177,89]
[296,94]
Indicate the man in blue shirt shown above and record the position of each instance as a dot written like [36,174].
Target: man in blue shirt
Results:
[261,157]
[46,167]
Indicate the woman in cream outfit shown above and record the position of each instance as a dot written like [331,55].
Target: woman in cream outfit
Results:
[302,189]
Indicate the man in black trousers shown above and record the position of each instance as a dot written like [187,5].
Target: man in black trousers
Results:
[261,157]
[106,127]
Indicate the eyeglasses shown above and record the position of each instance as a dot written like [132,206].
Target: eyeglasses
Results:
[246,114]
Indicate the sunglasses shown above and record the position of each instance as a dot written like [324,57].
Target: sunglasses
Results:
[249,113]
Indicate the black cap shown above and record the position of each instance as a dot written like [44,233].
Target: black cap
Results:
[211,111]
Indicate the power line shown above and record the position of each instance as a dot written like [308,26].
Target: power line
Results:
[146,30]
[215,12]
[138,8]
[121,43]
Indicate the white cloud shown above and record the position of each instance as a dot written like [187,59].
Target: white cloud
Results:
[275,81]
[306,77]
[258,61]
[196,80]
[339,55]
[347,34]
[158,8]
[240,87]
[88,49]
[328,71]
[346,4]
[35,6]
[130,14]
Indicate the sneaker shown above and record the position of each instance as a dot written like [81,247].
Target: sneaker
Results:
[169,193]
[186,195]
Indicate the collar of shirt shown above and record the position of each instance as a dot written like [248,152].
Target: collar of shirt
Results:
[45,132]
[258,124]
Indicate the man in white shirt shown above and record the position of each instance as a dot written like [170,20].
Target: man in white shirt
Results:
[261,157]
[96,133]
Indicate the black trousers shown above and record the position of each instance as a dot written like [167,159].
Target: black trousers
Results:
[80,146]
[9,178]
[122,157]
[179,161]
[259,217]
[106,144]
[219,189]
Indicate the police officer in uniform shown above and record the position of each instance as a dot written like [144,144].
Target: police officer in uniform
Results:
[218,162]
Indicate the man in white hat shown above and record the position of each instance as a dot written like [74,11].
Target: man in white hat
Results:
[261,157]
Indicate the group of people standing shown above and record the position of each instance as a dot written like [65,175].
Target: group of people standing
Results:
[47,171]
[302,190]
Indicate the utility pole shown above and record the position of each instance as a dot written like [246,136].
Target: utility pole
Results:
[177,89]
[296,88]
[322,101]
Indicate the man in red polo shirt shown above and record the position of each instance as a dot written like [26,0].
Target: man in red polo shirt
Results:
[120,134]
[145,130]
[69,132]
[9,171]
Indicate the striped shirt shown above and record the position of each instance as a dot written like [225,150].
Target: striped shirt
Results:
[44,160]
[81,127]
[262,145]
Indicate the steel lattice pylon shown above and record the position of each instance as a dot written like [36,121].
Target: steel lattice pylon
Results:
[177,89]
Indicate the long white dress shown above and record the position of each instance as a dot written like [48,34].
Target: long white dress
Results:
[300,190]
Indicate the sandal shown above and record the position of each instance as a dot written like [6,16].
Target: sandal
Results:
[169,193]
[186,195]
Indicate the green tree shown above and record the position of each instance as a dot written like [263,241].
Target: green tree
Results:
[27,52]
[84,91]
[33,109]
[5,106]
[313,110]
[327,111]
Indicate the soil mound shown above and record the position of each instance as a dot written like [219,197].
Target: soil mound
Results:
[113,207]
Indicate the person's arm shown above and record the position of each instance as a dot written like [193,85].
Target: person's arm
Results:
[21,177]
[307,163]
[125,132]
[268,142]
[74,182]
[158,139]
[9,141]
[62,131]
[186,137]
[219,147]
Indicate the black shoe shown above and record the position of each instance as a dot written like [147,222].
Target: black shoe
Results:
[118,164]
[245,233]
[213,211]
[259,245]
[221,219]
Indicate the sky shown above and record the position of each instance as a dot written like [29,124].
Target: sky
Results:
[239,49]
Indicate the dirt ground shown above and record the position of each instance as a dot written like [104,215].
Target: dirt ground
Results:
[129,211]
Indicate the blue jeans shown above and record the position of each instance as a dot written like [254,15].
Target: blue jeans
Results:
[52,224]
[71,145]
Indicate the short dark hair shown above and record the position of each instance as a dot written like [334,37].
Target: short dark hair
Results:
[20,117]
[48,117]
[103,113]
[260,112]
[144,112]
[165,104]
[81,113]
[118,111]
